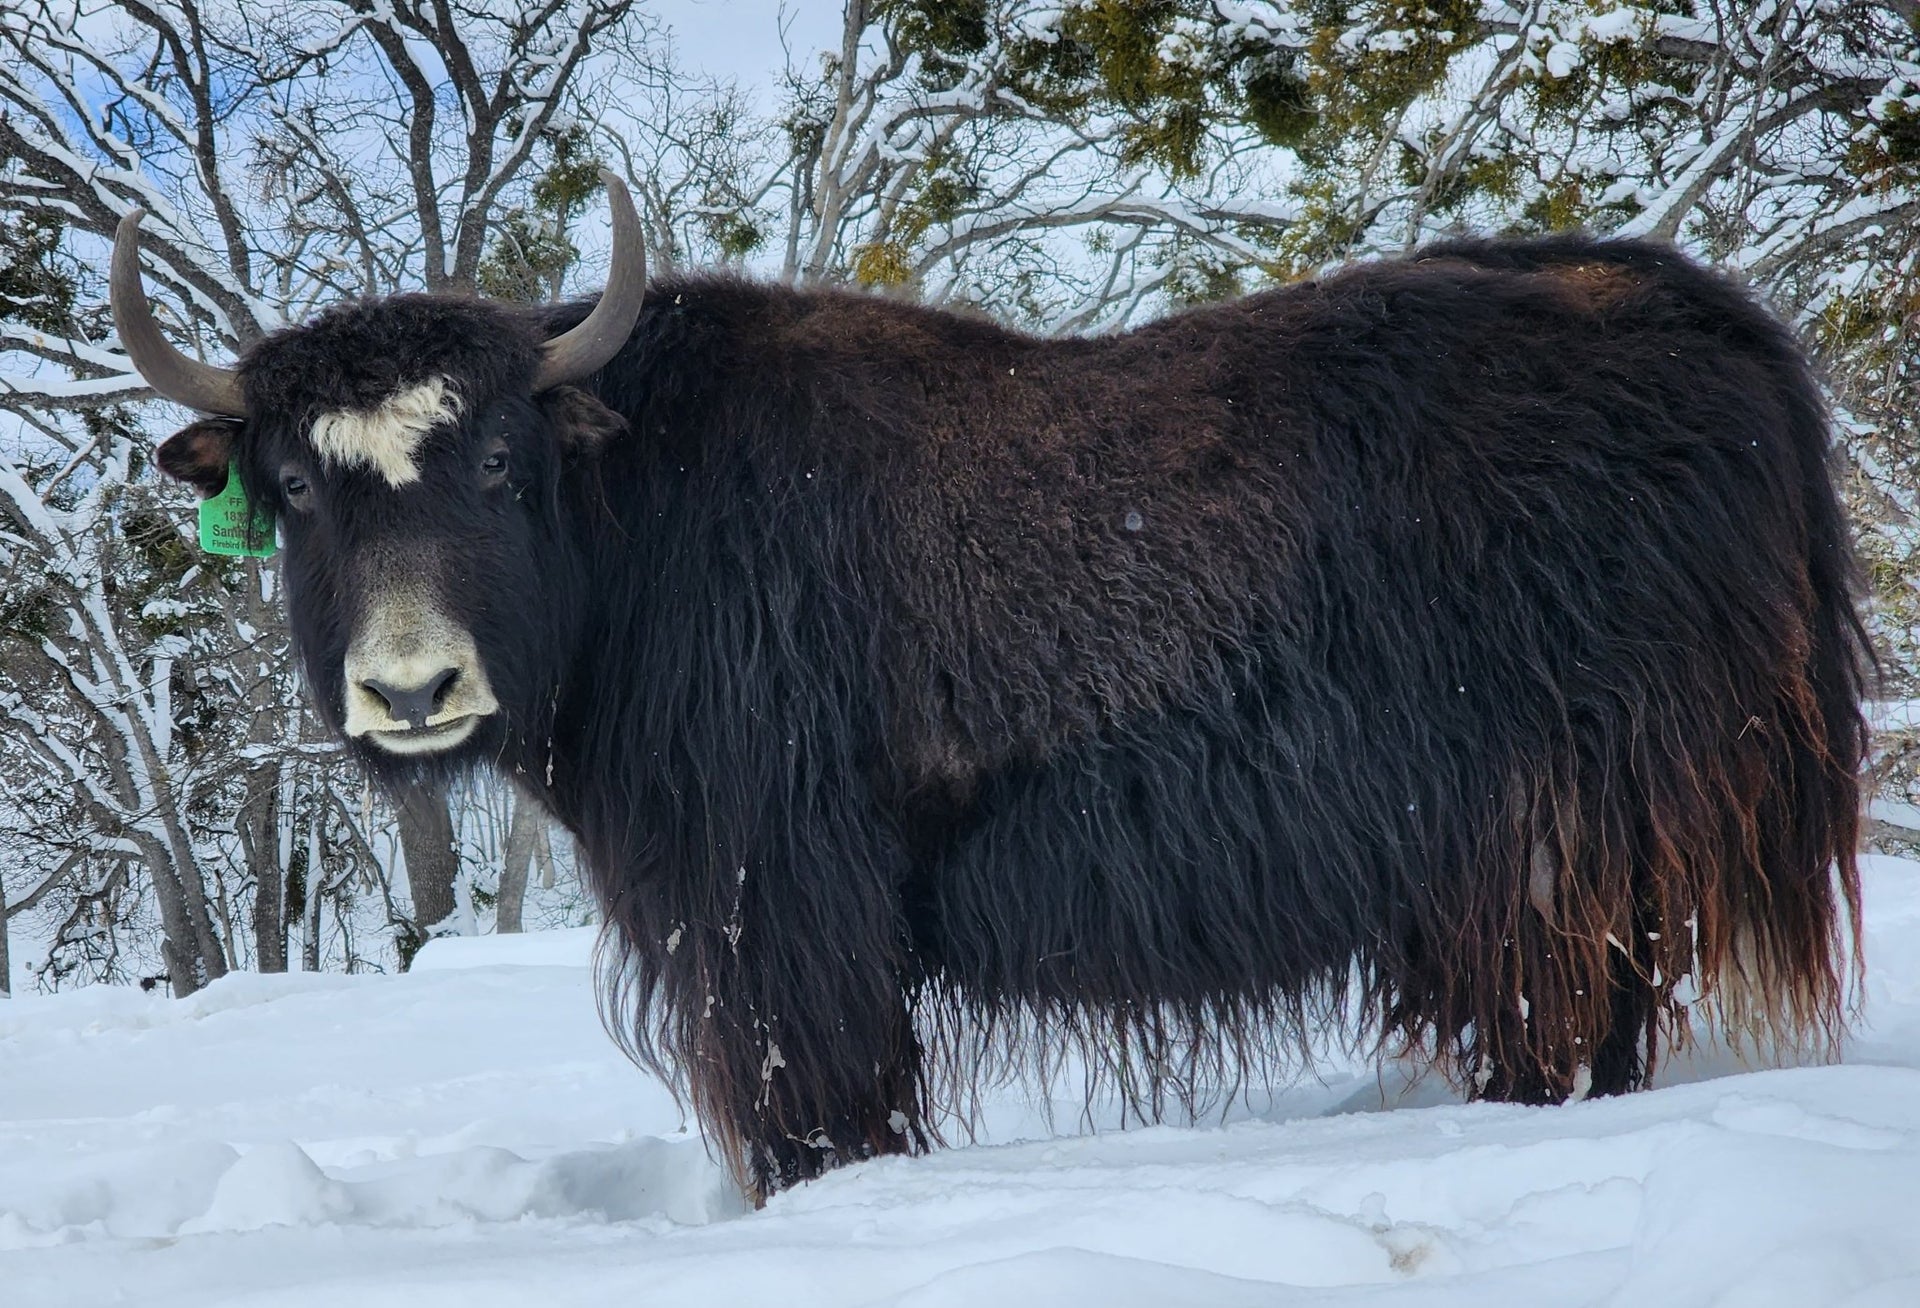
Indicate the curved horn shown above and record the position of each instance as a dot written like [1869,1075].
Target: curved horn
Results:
[179,377]
[573,354]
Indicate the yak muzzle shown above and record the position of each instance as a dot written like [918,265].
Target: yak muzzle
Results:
[414,680]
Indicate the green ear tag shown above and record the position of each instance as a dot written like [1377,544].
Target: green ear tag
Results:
[230,524]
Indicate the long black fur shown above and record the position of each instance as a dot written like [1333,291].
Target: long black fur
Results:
[1464,641]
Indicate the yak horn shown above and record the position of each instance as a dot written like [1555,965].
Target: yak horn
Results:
[179,377]
[573,354]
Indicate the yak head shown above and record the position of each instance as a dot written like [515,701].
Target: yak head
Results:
[422,455]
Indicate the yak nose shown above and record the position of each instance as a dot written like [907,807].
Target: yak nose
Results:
[414,705]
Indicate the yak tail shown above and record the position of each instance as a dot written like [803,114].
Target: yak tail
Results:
[1688,847]
[1779,951]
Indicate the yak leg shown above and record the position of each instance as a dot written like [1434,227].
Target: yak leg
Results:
[775,987]
[794,1026]
[1541,1062]
[828,1092]
[1517,1078]
[1622,1055]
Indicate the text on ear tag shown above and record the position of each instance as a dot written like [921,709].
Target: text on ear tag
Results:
[231,524]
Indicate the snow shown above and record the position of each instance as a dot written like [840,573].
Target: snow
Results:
[1562,58]
[568,947]
[466,1135]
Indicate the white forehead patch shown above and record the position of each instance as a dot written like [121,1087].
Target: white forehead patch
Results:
[387,439]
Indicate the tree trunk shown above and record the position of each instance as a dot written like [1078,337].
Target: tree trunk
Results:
[190,963]
[176,873]
[260,842]
[310,915]
[271,807]
[543,853]
[191,948]
[426,840]
[6,960]
[200,944]
[522,831]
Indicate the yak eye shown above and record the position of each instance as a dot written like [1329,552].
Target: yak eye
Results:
[494,465]
[294,487]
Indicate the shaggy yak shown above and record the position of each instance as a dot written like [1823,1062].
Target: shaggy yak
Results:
[1463,642]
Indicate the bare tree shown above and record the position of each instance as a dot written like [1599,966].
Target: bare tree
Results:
[952,161]
[942,152]
[95,709]
[286,154]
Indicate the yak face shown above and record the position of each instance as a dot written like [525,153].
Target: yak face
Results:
[426,502]
[418,452]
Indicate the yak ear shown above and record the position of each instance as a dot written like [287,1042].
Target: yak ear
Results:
[580,421]
[200,454]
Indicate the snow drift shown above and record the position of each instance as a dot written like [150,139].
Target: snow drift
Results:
[467,1135]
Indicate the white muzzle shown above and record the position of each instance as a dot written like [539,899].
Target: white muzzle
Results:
[414,680]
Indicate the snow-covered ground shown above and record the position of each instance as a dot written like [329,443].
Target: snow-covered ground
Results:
[467,1136]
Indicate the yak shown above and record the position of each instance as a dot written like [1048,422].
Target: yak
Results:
[1459,649]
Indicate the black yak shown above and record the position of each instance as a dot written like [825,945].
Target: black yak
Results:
[1463,641]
